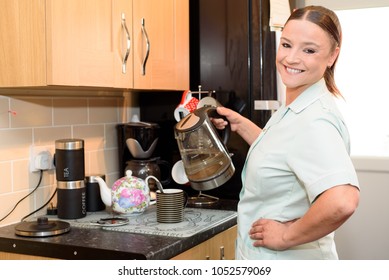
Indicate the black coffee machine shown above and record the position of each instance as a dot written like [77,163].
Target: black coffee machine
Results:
[137,142]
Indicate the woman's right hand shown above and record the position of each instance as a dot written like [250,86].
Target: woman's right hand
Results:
[231,116]
[248,130]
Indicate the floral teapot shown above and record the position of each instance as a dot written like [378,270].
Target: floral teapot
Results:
[128,195]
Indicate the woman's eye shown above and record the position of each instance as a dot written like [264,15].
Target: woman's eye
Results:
[285,45]
[309,51]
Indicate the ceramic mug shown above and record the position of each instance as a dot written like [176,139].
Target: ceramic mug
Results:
[171,205]
[187,105]
[178,173]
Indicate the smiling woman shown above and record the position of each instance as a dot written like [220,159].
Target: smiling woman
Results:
[299,184]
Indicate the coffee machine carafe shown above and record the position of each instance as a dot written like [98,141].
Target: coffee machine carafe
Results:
[137,143]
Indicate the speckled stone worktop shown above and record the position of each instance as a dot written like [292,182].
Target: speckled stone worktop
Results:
[84,243]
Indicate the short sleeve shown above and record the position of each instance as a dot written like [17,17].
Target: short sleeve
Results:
[320,157]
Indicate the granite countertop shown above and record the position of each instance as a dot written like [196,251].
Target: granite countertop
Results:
[96,243]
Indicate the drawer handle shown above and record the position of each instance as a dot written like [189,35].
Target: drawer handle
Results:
[128,44]
[222,253]
[144,32]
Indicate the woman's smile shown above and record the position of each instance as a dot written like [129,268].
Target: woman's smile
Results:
[293,70]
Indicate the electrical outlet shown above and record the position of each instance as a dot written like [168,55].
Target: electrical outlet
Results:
[41,158]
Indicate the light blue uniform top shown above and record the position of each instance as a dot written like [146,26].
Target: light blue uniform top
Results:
[302,151]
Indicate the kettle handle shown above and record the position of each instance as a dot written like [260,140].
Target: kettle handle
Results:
[212,112]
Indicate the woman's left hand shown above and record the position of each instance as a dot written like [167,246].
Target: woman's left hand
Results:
[269,233]
[328,212]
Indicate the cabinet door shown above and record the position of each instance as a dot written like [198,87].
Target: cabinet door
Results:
[80,48]
[221,246]
[161,50]
[22,43]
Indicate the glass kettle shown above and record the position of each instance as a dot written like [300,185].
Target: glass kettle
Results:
[204,154]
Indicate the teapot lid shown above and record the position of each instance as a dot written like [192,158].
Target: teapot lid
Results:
[128,173]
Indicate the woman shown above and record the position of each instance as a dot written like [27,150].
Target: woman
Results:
[299,184]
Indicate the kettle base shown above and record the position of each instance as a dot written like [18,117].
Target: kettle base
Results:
[201,200]
[214,182]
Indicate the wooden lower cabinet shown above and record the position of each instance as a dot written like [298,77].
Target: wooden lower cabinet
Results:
[219,247]
[13,256]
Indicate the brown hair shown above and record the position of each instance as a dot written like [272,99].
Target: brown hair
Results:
[329,22]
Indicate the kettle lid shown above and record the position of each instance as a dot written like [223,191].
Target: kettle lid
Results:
[188,122]
[195,119]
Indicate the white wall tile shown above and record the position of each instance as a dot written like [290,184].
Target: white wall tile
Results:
[47,135]
[70,111]
[93,136]
[111,160]
[20,174]
[42,196]
[4,114]
[96,162]
[15,144]
[42,120]
[31,112]
[6,177]
[104,110]
[111,139]
[9,201]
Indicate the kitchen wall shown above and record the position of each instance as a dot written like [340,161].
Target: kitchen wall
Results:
[32,120]
[365,235]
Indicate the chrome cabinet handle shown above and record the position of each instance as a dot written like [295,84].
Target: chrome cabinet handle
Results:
[128,44]
[147,47]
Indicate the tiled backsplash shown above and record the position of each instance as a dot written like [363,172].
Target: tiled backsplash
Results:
[39,121]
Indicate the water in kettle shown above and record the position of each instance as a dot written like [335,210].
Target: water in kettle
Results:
[205,164]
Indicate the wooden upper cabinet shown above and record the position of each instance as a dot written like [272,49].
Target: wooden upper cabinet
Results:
[161,49]
[94,43]
[22,43]
[80,49]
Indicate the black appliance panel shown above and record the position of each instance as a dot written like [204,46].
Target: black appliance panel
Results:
[232,51]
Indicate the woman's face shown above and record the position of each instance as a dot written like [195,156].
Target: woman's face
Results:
[304,53]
